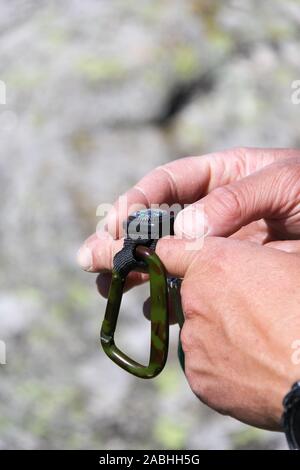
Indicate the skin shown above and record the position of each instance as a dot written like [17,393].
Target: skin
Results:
[241,290]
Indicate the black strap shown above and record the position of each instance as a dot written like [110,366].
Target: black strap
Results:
[125,261]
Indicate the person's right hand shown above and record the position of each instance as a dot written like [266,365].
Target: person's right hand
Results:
[246,193]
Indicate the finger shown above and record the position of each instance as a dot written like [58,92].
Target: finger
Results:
[256,232]
[103,282]
[147,312]
[186,180]
[178,255]
[270,193]
[98,251]
[133,279]
[147,308]
[97,254]
[290,246]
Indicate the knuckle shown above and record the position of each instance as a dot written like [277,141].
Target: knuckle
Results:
[200,387]
[193,381]
[189,313]
[228,200]
[205,392]
[238,152]
[285,182]
[167,173]
[188,303]
[289,170]
[241,151]
[208,393]
[187,336]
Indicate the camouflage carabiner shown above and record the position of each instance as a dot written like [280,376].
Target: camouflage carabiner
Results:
[159,318]
[142,230]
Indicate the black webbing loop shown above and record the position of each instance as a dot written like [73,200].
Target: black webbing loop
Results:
[125,260]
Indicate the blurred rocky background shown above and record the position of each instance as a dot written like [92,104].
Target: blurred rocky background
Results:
[97,94]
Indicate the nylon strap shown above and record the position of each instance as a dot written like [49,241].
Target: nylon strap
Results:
[125,260]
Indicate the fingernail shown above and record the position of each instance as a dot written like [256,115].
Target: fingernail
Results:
[191,223]
[85,258]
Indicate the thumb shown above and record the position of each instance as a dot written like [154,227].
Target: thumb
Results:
[179,255]
[270,193]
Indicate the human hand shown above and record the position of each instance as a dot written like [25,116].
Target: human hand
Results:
[233,184]
[244,192]
[256,325]
[242,321]
[242,327]
[241,335]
